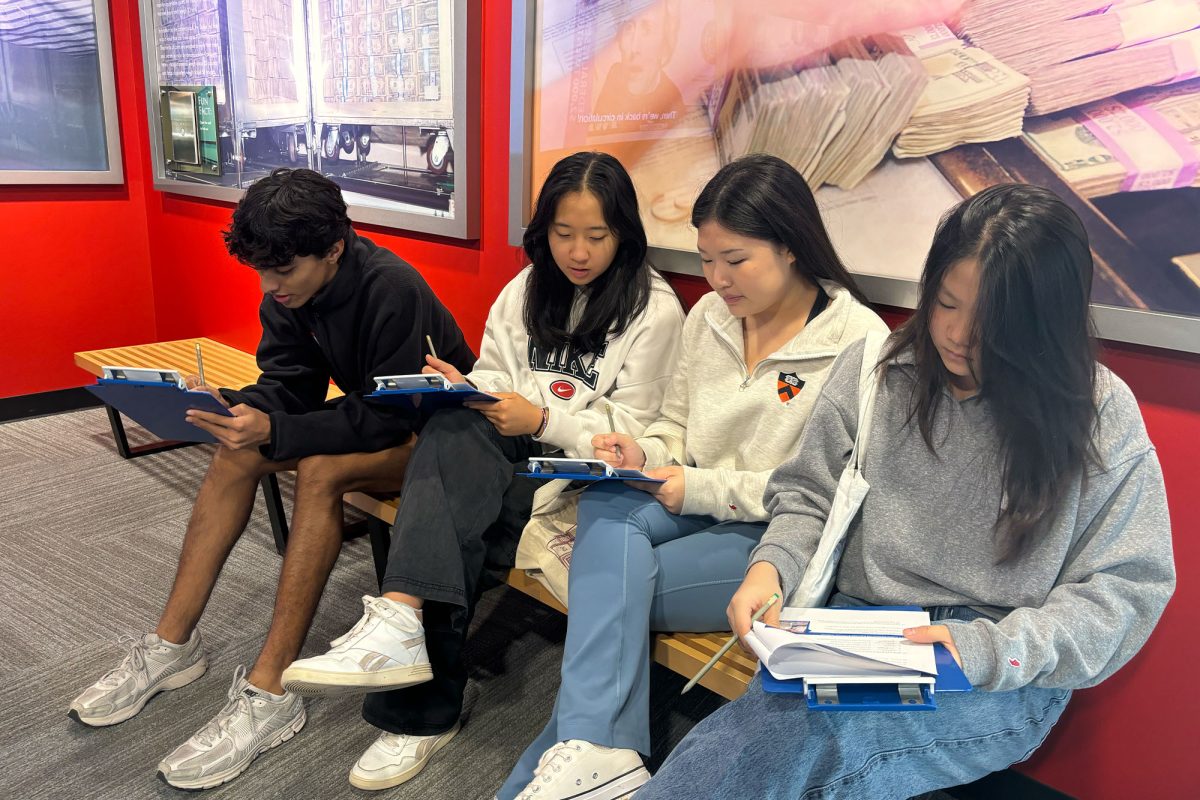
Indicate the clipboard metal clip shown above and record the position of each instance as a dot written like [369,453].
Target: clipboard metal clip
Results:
[827,694]
[170,377]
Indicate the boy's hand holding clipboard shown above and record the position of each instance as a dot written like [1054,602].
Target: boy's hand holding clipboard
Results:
[246,427]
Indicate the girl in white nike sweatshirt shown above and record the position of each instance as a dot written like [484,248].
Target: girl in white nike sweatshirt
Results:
[587,326]
[668,557]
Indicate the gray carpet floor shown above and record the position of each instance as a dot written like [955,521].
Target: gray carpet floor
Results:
[88,547]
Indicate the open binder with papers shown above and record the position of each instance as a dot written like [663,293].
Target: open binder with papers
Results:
[432,389]
[854,659]
[158,400]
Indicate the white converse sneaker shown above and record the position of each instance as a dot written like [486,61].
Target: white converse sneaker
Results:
[395,758]
[384,650]
[579,770]
[151,666]
[251,723]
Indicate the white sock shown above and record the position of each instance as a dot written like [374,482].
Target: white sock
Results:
[399,606]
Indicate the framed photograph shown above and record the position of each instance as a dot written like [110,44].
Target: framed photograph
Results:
[890,127]
[58,103]
[350,88]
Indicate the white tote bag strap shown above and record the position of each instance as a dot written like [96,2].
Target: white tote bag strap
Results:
[868,387]
[852,488]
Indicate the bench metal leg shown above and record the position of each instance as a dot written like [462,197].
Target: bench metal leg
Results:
[381,542]
[275,511]
[122,441]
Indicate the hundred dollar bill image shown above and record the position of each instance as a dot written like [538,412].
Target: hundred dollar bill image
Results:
[1148,139]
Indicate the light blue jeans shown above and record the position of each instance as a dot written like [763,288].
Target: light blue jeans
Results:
[772,747]
[635,568]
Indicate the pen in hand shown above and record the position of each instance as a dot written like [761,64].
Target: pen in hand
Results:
[612,426]
[429,341]
[732,639]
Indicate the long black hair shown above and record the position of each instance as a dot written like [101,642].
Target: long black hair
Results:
[1037,361]
[764,197]
[615,298]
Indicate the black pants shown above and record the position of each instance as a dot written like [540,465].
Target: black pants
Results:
[461,511]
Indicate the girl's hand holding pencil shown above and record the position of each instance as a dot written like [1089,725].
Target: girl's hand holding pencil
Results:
[760,583]
[435,366]
[618,449]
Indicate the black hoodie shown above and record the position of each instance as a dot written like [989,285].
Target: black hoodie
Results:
[370,319]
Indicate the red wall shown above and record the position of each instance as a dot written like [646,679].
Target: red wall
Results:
[76,268]
[95,268]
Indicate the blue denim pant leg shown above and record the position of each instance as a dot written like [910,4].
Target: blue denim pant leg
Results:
[772,746]
[635,568]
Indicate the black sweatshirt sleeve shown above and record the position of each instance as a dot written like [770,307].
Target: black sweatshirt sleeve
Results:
[399,310]
[295,376]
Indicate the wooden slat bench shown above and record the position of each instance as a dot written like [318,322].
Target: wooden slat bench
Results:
[684,653]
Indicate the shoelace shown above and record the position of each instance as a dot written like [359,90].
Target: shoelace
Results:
[372,607]
[559,756]
[133,663]
[393,743]
[238,701]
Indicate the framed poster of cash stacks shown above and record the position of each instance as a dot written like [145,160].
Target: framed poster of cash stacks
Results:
[58,103]
[892,118]
[376,94]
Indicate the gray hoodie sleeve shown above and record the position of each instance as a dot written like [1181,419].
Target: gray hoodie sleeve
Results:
[1114,584]
[800,492]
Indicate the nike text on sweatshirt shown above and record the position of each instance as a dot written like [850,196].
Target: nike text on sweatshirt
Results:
[630,372]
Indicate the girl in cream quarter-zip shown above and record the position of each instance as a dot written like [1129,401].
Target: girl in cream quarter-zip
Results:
[741,422]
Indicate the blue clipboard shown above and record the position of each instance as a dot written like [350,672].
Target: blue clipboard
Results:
[431,398]
[433,390]
[877,696]
[581,469]
[160,408]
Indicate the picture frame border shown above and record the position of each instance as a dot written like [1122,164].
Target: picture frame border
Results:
[115,172]
[466,64]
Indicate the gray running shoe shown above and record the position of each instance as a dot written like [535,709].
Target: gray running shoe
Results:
[251,723]
[151,666]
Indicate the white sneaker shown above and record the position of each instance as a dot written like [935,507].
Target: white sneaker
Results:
[250,724]
[395,758]
[151,666]
[384,650]
[579,770]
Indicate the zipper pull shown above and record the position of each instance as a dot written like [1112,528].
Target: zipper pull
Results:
[745,384]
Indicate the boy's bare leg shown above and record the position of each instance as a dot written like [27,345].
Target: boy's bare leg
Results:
[218,519]
[314,544]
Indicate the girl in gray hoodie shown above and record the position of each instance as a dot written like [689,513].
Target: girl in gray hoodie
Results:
[1014,493]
